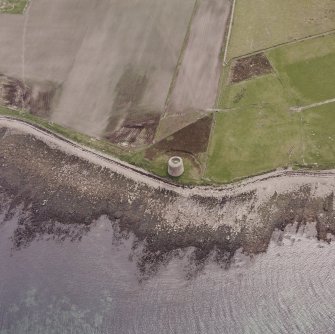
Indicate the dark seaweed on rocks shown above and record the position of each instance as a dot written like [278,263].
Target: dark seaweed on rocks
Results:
[61,195]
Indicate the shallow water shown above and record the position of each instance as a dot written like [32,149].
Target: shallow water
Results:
[94,286]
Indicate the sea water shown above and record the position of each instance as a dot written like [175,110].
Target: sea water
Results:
[94,286]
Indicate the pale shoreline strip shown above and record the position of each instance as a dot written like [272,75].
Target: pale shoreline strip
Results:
[281,180]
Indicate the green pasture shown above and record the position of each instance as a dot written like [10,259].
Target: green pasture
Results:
[253,140]
[12,6]
[258,130]
[319,136]
[259,91]
[261,24]
[307,69]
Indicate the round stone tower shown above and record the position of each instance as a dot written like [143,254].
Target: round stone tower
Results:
[175,166]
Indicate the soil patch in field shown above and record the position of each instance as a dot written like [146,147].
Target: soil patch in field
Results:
[137,129]
[130,123]
[249,67]
[192,139]
[35,98]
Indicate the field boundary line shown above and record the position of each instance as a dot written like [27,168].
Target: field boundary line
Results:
[23,50]
[180,59]
[276,46]
[229,32]
[26,6]
[215,110]
[210,138]
[311,106]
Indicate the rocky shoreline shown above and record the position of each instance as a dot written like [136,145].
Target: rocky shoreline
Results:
[63,188]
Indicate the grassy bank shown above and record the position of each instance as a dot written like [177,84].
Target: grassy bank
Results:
[12,6]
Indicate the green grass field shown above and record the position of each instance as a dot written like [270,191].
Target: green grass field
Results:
[319,136]
[307,68]
[253,140]
[253,92]
[311,79]
[259,132]
[12,6]
[260,24]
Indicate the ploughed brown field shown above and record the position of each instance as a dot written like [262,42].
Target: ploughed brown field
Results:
[106,67]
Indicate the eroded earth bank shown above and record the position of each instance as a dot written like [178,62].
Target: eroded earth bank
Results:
[64,188]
